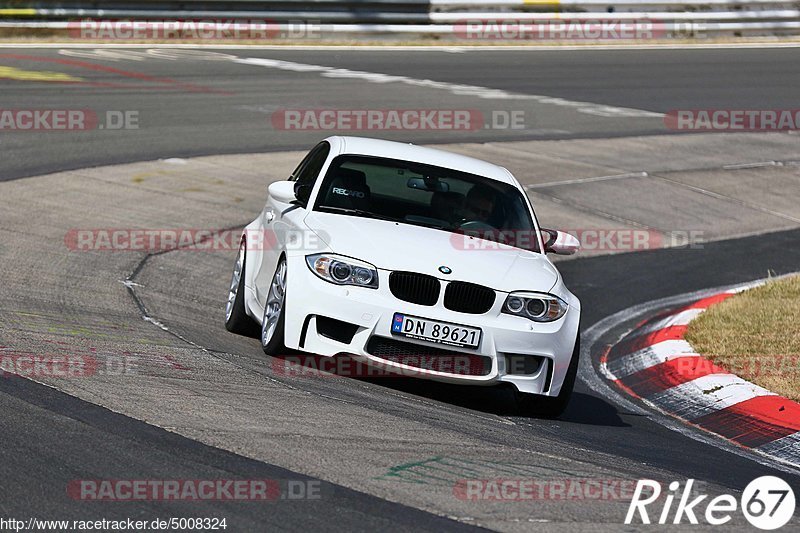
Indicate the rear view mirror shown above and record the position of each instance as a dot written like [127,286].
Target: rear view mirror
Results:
[428,184]
[560,242]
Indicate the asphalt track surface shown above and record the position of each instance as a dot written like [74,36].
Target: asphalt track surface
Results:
[50,438]
[191,107]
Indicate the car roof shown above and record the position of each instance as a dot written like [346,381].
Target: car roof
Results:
[419,154]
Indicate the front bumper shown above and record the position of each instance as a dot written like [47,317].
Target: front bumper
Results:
[505,340]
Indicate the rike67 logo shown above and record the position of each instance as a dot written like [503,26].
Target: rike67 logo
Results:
[767,502]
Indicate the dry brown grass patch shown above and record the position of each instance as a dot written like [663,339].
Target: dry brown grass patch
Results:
[756,335]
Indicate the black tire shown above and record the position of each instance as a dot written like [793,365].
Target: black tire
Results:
[275,345]
[551,406]
[239,321]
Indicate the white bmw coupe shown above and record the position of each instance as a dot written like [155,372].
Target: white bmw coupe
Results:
[413,260]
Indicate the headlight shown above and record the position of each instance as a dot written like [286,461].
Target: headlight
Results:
[536,306]
[343,270]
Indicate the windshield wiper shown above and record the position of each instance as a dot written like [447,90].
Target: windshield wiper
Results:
[358,212]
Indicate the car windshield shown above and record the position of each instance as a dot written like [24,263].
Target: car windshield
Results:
[427,195]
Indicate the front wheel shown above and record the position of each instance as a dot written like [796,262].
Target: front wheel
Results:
[236,318]
[272,326]
[551,406]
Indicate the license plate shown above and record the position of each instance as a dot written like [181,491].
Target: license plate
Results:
[434,331]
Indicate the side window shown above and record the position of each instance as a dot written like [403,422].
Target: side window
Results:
[308,171]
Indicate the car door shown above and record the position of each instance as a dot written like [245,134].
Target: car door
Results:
[283,223]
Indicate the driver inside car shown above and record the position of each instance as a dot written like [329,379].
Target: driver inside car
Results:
[479,204]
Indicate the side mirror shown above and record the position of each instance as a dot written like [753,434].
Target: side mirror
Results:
[282,191]
[560,242]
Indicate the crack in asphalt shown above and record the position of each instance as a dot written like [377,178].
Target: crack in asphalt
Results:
[130,284]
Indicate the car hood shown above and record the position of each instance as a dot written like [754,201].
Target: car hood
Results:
[396,246]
